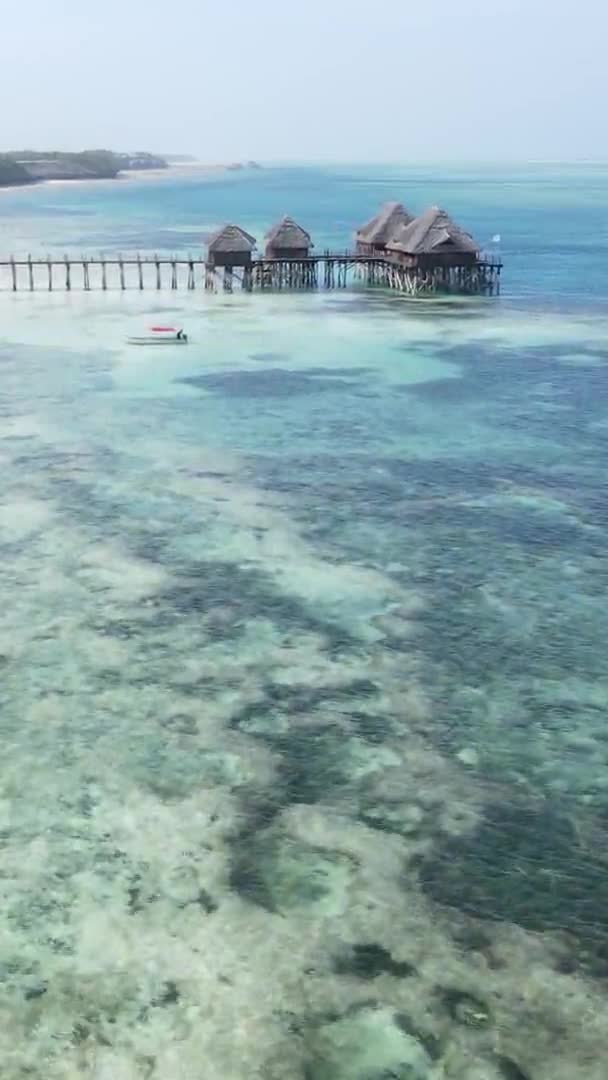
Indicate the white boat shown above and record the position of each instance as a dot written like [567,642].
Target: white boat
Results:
[161,335]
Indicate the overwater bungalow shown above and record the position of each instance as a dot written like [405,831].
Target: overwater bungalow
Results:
[415,256]
[288,240]
[371,238]
[231,246]
[432,240]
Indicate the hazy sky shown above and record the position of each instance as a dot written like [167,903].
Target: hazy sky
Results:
[390,80]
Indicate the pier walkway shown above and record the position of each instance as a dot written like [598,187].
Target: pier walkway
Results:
[330,270]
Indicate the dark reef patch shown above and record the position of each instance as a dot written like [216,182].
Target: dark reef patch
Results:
[267,382]
[292,701]
[527,865]
[497,374]
[427,1039]
[246,879]
[311,765]
[510,1070]
[312,760]
[169,995]
[545,631]
[278,872]
[471,938]
[465,1009]
[227,595]
[369,961]
[437,494]
[206,902]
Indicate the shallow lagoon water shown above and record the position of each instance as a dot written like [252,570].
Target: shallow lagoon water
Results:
[303,687]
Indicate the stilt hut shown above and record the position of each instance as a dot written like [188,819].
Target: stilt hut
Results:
[287,240]
[371,238]
[230,246]
[432,240]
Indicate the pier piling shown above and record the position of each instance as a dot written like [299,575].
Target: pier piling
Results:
[330,270]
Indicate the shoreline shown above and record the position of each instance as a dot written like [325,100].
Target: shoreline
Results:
[126,174]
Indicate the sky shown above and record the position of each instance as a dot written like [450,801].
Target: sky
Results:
[314,80]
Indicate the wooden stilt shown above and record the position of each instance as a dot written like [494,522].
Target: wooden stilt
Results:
[328,271]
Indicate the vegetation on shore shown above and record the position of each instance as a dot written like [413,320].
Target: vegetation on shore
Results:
[12,173]
[28,166]
[31,166]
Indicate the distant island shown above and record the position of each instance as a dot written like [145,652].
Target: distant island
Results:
[235,166]
[30,166]
[180,159]
[20,167]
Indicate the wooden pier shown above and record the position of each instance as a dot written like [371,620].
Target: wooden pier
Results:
[330,270]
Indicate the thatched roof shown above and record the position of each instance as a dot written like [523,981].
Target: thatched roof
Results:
[287,234]
[432,232]
[381,227]
[231,238]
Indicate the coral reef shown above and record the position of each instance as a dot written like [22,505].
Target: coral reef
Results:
[303,697]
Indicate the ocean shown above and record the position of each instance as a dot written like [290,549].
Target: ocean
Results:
[303,646]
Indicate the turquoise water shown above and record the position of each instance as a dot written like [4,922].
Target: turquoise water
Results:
[303,649]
